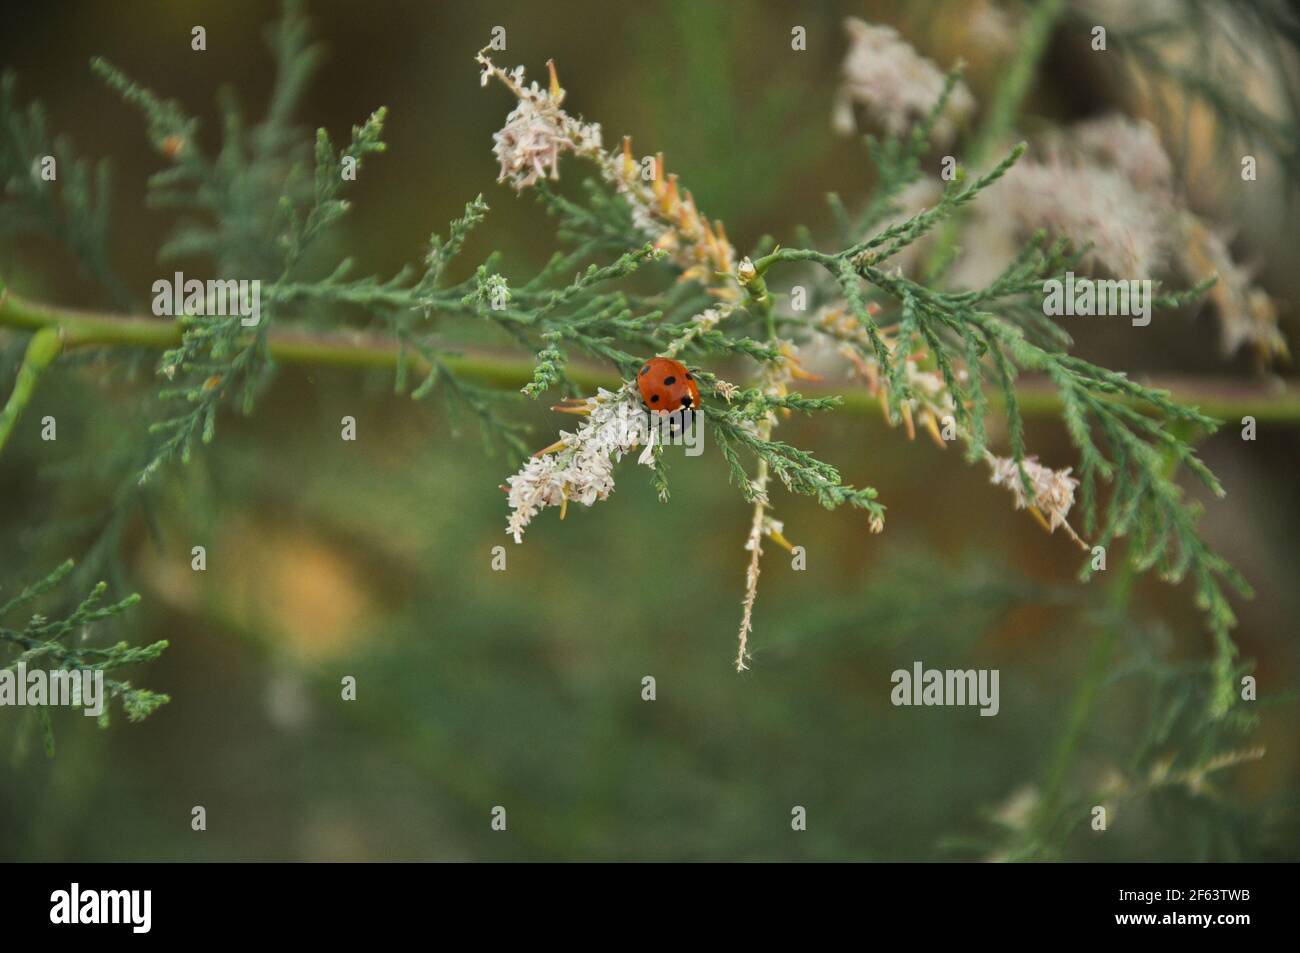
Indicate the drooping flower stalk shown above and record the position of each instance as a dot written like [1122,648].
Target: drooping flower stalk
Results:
[579,467]
[539,131]
[775,376]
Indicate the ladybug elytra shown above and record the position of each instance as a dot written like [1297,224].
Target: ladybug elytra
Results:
[667,385]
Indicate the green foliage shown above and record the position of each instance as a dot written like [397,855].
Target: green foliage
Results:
[1168,764]
[897,160]
[267,206]
[73,209]
[1126,433]
[799,470]
[265,213]
[63,644]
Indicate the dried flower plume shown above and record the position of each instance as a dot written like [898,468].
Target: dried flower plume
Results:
[893,84]
[579,467]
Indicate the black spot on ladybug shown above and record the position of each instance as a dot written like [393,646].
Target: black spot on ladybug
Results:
[654,399]
[670,380]
[689,377]
[644,369]
[686,401]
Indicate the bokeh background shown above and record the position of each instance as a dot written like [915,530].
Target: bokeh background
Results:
[523,688]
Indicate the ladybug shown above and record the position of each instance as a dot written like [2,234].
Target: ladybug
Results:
[667,385]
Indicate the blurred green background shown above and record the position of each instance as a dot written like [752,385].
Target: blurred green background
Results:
[523,688]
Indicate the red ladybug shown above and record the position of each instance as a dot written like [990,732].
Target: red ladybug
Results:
[666,385]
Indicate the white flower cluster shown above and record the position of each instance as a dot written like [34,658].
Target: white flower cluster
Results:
[581,469]
[1109,183]
[894,84]
[536,132]
[1053,489]
[1090,204]
[646,218]
[1130,146]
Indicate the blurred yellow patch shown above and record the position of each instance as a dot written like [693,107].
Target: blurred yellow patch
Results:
[280,583]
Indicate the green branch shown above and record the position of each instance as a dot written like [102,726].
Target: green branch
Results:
[1228,400]
[42,349]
